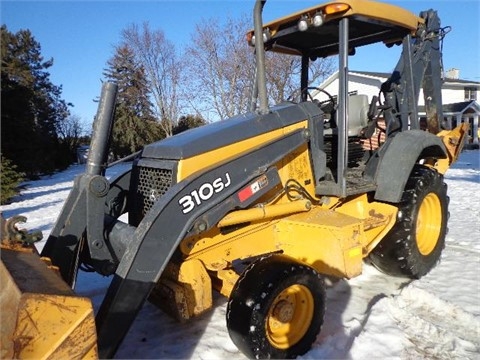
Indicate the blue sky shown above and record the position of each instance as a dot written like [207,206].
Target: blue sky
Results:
[80,35]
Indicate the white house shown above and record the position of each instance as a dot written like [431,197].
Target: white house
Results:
[460,97]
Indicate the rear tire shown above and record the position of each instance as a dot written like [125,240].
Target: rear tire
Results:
[276,308]
[414,245]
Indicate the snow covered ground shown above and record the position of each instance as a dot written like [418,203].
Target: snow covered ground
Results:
[371,316]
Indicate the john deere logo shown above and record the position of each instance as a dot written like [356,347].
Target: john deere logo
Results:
[154,195]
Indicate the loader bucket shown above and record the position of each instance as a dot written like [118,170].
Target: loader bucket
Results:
[41,317]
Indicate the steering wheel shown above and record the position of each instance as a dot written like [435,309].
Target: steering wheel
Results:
[329,107]
[331,99]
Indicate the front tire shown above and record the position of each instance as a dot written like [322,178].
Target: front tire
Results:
[276,308]
[414,245]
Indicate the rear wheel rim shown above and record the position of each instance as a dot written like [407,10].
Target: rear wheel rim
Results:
[429,224]
[290,316]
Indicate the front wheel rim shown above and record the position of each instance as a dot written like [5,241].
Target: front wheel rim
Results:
[290,316]
[429,224]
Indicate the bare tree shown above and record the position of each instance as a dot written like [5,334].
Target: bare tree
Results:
[222,68]
[283,75]
[218,64]
[163,69]
[71,130]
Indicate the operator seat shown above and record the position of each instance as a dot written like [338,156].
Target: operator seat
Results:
[358,108]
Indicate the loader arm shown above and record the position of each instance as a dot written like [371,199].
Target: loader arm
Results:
[154,241]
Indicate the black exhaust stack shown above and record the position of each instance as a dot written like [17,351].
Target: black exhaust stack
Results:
[102,127]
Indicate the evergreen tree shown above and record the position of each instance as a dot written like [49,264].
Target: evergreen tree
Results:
[10,179]
[32,106]
[188,122]
[134,125]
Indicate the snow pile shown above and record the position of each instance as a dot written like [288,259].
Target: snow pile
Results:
[371,316]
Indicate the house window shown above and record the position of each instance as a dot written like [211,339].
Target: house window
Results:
[470,93]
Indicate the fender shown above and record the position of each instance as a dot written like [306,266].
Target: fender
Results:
[396,159]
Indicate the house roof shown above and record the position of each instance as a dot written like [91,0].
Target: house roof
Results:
[456,108]
[384,75]
[448,109]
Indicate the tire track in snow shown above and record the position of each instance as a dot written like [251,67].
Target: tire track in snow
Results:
[350,304]
[460,247]
[438,329]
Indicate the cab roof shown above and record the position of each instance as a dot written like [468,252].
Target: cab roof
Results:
[369,22]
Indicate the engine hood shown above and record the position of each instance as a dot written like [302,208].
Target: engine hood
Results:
[222,133]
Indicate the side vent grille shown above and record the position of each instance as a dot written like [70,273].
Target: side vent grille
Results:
[152,184]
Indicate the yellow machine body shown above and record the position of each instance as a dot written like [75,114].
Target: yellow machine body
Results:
[333,237]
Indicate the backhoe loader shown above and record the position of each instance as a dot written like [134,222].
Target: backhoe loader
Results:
[262,206]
